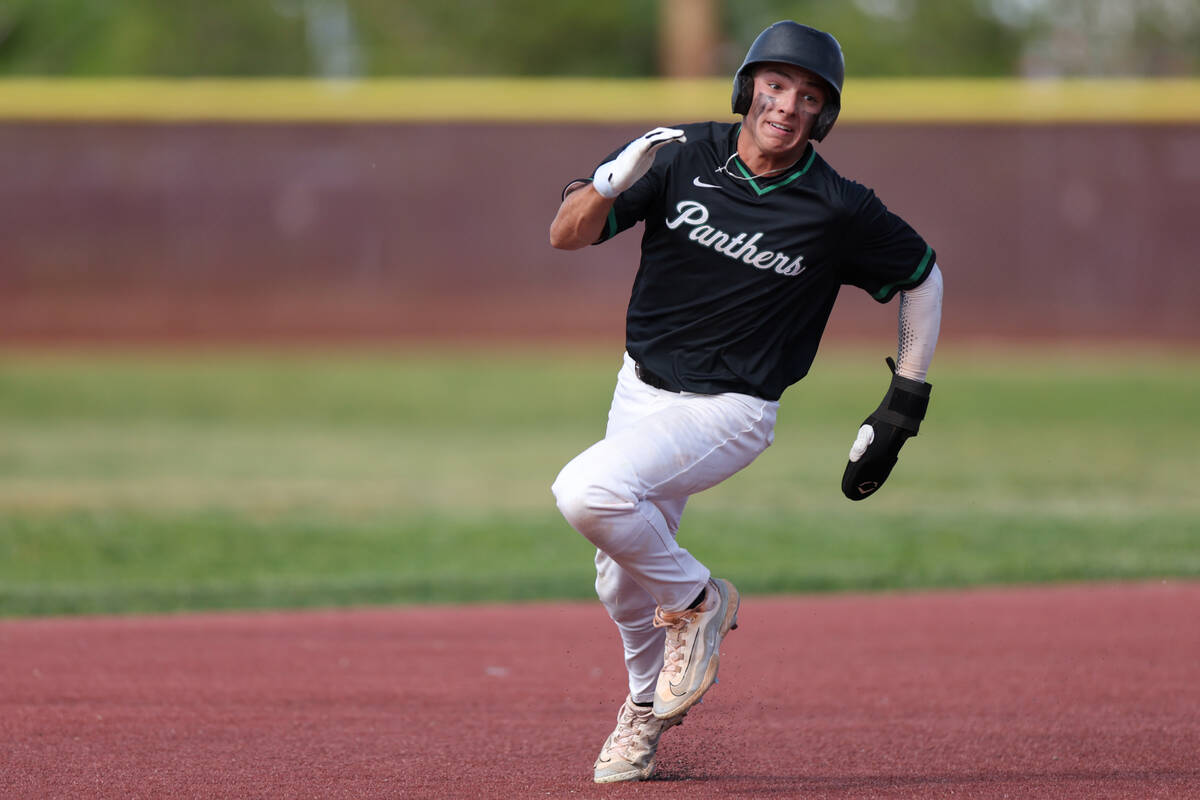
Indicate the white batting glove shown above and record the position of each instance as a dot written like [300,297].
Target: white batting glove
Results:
[614,177]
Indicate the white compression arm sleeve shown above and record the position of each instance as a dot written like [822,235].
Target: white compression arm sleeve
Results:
[920,321]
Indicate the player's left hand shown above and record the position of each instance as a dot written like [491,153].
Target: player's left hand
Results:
[877,446]
[614,177]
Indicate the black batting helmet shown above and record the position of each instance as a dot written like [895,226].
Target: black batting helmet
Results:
[801,46]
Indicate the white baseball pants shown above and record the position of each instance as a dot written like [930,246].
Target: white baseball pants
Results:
[626,494]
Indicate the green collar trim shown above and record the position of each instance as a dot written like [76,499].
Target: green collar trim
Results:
[800,169]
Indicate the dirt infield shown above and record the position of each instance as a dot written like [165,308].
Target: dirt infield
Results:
[1049,692]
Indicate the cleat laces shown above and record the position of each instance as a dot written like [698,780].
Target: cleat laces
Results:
[675,624]
[635,736]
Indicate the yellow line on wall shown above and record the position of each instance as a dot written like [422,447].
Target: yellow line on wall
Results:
[583,100]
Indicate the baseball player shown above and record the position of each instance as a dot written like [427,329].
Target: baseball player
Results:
[748,236]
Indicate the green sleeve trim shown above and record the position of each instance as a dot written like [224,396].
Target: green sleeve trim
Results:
[918,274]
[611,231]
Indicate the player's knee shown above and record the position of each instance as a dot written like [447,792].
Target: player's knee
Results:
[577,500]
[589,507]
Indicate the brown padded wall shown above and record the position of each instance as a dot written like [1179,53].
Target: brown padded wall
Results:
[383,231]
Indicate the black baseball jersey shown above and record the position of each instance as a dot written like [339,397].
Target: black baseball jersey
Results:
[738,275]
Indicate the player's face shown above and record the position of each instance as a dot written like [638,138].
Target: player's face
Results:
[786,103]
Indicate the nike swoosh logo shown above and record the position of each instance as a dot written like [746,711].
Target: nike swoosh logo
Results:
[697,182]
[678,687]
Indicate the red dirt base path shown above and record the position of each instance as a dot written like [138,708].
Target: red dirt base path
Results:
[1069,692]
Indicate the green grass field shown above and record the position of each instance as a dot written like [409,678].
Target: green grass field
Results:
[179,480]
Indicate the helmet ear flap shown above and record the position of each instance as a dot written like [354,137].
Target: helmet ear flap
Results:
[743,92]
[825,120]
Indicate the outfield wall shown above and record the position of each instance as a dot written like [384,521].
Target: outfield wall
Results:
[376,228]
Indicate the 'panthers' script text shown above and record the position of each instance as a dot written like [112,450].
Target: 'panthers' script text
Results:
[742,247]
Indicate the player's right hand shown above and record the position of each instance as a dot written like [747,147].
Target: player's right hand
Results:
[614,177]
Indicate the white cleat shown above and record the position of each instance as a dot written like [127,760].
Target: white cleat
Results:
[693,648]
[628,752]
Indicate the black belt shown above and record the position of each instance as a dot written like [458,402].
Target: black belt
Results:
[650,379]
